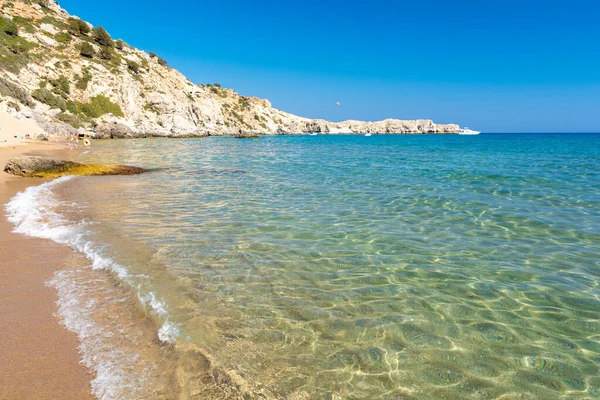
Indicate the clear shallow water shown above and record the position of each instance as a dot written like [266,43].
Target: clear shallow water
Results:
[341,267]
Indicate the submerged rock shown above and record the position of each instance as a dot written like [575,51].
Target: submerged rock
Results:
[247,135]
[41,167]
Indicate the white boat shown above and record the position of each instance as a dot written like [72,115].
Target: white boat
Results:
[368,133]
[468,131]
[312,134]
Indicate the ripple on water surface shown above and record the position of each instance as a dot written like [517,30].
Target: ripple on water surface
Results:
[398,267]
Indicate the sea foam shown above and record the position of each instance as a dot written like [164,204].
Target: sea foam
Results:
[33,212]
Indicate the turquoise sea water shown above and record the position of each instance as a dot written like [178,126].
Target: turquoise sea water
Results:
[346,267]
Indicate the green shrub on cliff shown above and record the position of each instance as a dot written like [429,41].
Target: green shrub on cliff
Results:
[9,27]
[24,23]
[119,44]
[70,119]
[63,37]
[87,50]
[216,89]
[103,38]
[84,80]
[133,66]
[98,106]
[243,103]
[54,101]
[59,24]
[47,97]
[238,117]
[61,87]
[8,88]
[105,53]
[16,45]
[43,3]
[14,52]
[78,27]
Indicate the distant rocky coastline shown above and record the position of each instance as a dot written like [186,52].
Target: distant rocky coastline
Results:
[69,77]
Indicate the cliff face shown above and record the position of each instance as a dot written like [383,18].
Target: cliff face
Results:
[57,70]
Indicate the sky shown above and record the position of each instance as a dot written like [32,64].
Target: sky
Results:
[492,65]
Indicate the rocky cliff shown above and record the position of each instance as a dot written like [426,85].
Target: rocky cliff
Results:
[66,74]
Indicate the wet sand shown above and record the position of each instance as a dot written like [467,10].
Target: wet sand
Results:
[38,356]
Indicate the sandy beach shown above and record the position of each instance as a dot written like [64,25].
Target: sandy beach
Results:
[13,130]
[38,357]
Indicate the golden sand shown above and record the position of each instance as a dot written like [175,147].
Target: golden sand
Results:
[38,357]
[13,130]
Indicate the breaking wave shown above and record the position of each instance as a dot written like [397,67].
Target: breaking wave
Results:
[36,212]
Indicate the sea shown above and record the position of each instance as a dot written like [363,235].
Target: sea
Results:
[332,267]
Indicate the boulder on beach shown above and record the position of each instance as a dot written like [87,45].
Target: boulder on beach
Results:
[113,130]
[41,138]
[41,167]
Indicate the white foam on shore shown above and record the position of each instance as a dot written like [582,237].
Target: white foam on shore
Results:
[33,212]
[117,371]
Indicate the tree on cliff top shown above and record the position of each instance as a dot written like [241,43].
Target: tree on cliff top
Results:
[103,38]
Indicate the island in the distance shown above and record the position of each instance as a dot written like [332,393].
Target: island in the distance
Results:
[69,76]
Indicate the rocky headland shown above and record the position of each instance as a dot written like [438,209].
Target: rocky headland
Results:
[66,75]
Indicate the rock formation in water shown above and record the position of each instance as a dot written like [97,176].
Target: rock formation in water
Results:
[41,167]
[66,75]
[247,135]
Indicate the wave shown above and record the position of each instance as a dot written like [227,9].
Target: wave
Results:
[131,357]
[36,212]
[33,213]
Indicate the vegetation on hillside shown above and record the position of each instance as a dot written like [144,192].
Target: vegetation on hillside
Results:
[11,89]
[103,38]
[98,106]
[87,50]
[84,79]
[64,54]
[9,27]
[78,27]
[14,50]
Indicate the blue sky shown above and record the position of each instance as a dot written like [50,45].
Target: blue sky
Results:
[498,66]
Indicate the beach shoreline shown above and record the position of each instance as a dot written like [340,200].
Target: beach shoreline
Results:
[39,357]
